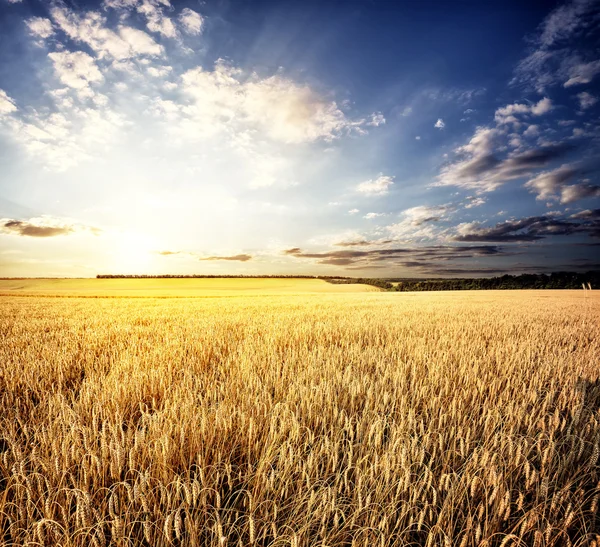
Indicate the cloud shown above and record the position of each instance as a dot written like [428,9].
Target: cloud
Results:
[90,28]
[7,104]
[421,214]
[373,215]
[507,114]
[583,73]
[363,243]
[586,100]
[561,23]
[474,201]
[526,229]
[280,108]
[409,257]
[353,211]
[68,136]
[159,72]
[253,117]
[554,56]
[40,26]
[157,21]
[416,223]
[201,257]
[377,187]
[532,131]
[41,227]
[237,258]
[75,69]
[440,124]
[480,168]
[152,10]
[588,214]
[191,21]
[554,185]
[546,185]
[576,192]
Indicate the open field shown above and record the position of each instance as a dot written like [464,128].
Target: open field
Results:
[332,419]
[200,287]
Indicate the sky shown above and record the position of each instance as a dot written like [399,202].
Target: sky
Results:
[357,138]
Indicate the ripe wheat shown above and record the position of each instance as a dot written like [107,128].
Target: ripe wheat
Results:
[338,420]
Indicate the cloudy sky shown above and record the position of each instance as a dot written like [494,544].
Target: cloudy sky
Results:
[362,137]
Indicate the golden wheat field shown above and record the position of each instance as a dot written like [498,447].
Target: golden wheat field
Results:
[319,419]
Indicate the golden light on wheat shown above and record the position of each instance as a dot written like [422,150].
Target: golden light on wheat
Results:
[337,420]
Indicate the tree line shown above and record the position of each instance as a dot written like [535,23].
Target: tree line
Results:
[555,280]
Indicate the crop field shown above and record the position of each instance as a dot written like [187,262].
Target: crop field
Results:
[287,417]
[183,288]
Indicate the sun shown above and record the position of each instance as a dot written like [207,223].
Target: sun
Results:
[135,253]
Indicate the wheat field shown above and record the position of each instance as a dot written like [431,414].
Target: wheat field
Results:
[359,419]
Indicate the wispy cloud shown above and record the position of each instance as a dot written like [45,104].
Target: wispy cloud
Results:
[242,257]
[554,56]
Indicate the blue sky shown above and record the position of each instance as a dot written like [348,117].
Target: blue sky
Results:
[406,139]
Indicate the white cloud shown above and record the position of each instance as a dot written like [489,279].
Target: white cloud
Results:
[7,105]
[40,26]
[370,216]
[542,107]
[422,214]
[583,73]
[90,29]
[418,223]
[75,69]
[531,131]
[418,138]
[159,71]
[440,124]
[157,21]
[139,42]
[62,137]
[377,119]
[278,107]
[507,114]
[378,187]
[474,202]
[191,21]
[152,10]
[353,211]
[586,100]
